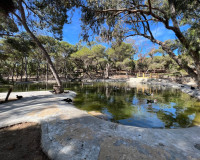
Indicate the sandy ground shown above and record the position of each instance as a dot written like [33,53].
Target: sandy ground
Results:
[20,142]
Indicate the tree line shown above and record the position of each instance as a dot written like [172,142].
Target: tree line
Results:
[113,21]
[21,59]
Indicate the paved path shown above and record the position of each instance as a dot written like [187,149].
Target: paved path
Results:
[71,134]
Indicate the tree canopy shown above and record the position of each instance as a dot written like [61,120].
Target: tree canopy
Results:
[119,19]
[35,16]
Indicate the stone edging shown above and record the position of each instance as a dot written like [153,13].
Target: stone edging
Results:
[161,82]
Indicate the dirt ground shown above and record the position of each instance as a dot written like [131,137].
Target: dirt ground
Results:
[21,142]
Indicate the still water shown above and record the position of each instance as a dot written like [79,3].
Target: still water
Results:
[126,104]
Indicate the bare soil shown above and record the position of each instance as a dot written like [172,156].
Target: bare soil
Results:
[21,142]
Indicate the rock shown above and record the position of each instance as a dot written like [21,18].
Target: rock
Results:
[58,89]
[98,115]
[197,146]
[160,144]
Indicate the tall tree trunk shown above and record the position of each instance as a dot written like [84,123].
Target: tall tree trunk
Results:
[38,68]
[47,69]
[17,73]
[65,69]
[13,71]
[107,70]
[22,69]
[102,70]
[198,75]
[24,23]
[86,71]
[26,73]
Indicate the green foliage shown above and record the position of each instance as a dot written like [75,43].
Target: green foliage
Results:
[21,50]
[89,60]
[120,52]
[82,54]
[121,55]
[98,51]
[7,26]
[45,15]
[117,20]
[68,58]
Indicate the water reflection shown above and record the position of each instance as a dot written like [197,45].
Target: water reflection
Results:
[127,103]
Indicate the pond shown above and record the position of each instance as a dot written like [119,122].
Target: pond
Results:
[141,105]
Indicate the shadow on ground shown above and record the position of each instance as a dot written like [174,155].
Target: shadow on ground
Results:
[20,142]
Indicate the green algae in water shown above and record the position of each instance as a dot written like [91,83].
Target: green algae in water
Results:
[128,105]
[25,87]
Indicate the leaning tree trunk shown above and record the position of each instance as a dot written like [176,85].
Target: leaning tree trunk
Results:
[194,52]
[55,74]
[51,66]
[191,72]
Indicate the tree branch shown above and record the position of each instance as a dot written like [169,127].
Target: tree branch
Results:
[167,49]
[175,28]
[24,22]
[148,26]
[18,17]
[149,2]
[39,16]
[135,21]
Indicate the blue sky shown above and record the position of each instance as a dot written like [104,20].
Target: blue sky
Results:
[71,34]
